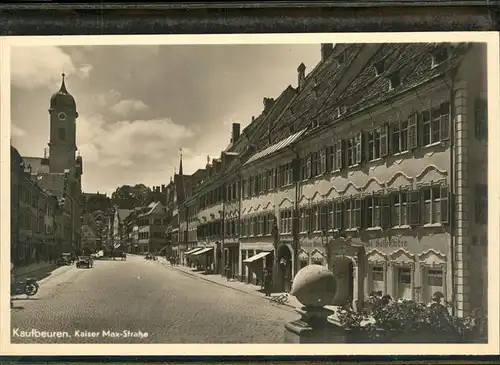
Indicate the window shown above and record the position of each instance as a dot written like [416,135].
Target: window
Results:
[481,118]
[400,136]
[354,150]
[374,144]
[394,81]
[435,278]
[323,217]
[321,166]
[379,67]
[439,56]
[435,204]
[412,131]
[399,209]
[404,276]
[352,218]
[378,273]
[339,155]
[305,168]
[413,207]
[288,173]
[286,221]
[481,203]
[330,157]
[62,134]
[373,211]
[314,218]
[158,221]
[435,123]
[338,219]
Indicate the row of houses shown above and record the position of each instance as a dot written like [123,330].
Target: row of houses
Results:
[374,165]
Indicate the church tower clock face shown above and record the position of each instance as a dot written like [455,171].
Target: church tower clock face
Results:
[61,116]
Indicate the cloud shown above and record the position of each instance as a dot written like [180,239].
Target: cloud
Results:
[127,142]
[124,107]
[108,98]
[33,67]
[15,131]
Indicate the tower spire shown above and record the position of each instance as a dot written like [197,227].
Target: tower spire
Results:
[180,163]
[63,84]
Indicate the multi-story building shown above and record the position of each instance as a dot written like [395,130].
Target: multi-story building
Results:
[151,226]
[16,170]
[370,167]
[119,229]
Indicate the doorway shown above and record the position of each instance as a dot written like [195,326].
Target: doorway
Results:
[285,273]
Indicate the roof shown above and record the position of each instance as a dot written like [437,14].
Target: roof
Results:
[38,164]
[276,147]
[52,183]
[123,213]
[151,207]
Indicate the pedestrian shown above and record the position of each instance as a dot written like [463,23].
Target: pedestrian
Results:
[268,280]
[228,272]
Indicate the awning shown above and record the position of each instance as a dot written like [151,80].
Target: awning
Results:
[202,251]
[193,250]
[254,258]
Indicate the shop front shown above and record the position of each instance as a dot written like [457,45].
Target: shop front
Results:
[256,265]
[204,259]
[190,260]
[231,258]
[285,268]
[410,266]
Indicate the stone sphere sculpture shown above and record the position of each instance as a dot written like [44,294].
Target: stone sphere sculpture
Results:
[314,286]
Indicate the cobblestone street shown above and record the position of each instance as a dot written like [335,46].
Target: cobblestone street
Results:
[140,295]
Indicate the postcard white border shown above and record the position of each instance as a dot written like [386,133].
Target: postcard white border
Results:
[492,40]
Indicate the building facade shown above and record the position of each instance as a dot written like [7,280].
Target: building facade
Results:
[375,166]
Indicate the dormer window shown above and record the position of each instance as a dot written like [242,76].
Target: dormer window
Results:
[439,55]
[315,122]
[394,81]
[340,111]
[340,59]
[379,67]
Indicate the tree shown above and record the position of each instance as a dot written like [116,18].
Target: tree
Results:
[128,197]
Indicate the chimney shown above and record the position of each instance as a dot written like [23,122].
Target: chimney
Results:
[326,51]
[301,70]
[253,118]
[235,136]
[268,102]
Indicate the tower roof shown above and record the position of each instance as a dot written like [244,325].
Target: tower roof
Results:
[62,98]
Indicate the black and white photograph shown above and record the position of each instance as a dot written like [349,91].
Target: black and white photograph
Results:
[236,191]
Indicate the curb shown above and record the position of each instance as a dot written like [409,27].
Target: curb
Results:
[228,286]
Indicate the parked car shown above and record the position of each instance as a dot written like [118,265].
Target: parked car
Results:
[65,259]
[84,261]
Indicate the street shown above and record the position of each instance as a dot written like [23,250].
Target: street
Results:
[140,301]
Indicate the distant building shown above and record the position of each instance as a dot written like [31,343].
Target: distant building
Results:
[119,228]
[151,226]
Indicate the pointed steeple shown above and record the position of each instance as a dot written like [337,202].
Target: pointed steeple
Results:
[63,90]
[180,163]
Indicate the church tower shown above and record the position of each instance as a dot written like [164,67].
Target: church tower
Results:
[62,145]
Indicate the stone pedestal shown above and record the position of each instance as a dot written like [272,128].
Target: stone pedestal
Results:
[313,327]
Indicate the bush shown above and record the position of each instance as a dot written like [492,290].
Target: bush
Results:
[383,319]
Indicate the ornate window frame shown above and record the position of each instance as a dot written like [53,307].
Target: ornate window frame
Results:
[400,259]
[432,259]
[376,258]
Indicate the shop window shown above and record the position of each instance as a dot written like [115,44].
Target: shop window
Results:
[378,279]
[434,284]
[404,283]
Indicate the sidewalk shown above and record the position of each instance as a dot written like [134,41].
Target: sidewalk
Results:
[233,283]
[35,270]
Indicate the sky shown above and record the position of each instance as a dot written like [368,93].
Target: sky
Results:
[138,105]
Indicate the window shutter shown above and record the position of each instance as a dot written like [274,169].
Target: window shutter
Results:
[343,154]
[445,206]
[390,131]
[364,212]
[413,203]
[412,131]
[445,121]
[384,140]
[385,211]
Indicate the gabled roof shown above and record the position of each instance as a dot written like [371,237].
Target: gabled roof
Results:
[151,208]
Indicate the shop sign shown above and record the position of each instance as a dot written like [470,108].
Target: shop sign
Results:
[388,242]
